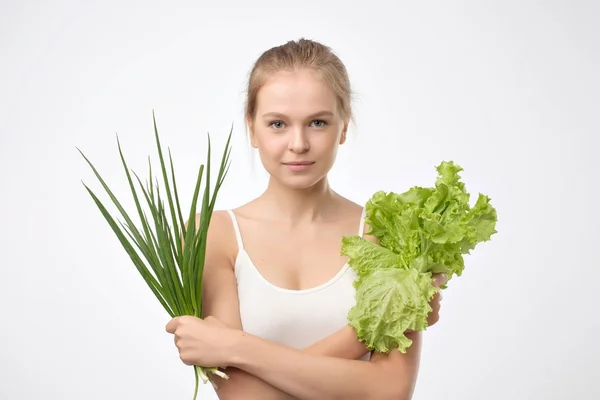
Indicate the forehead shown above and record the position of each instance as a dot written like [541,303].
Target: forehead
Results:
[297,93]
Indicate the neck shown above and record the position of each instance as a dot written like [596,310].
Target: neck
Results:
[296,205]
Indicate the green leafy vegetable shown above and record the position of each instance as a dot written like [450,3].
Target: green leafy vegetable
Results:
[172,269]
[423,231]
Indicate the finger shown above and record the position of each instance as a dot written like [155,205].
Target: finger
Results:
[435,307]
[439,279]
[172,325]
[434,315]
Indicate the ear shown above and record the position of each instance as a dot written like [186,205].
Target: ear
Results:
[344,131]
[250,124]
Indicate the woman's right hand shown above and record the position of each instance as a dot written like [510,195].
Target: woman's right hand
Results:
[434,316]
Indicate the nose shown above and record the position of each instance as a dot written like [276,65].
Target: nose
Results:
[298,141]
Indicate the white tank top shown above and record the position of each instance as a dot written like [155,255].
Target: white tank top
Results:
[294,318]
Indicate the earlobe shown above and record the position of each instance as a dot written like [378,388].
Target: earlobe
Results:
[344,130]
[343,137]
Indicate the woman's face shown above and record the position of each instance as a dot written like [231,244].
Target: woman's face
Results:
[297,128]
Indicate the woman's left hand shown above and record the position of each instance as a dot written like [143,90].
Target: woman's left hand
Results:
[205,342]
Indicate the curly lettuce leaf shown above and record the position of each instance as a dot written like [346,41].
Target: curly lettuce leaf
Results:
[481,224]
[422,231]
[391,301]
[365,256]
[432,227]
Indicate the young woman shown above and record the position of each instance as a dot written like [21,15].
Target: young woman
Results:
[277,291]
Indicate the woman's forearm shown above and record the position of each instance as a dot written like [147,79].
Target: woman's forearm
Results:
[341,344]
[242,385]
[310,376]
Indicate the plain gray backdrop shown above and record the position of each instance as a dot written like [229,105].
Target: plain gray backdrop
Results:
[506,89]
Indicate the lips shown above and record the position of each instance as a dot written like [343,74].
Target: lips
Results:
[298,166]
[299,163]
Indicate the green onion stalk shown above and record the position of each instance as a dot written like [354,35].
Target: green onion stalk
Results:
[168,254]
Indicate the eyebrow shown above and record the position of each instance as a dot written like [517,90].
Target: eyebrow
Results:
[323,113]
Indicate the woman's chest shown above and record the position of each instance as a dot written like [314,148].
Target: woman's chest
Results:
[295,318]
[296,260]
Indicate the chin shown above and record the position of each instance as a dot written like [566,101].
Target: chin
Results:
[299,182]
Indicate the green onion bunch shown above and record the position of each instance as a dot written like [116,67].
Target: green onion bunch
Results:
[168,254]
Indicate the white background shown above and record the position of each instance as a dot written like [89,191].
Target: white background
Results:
[507,89]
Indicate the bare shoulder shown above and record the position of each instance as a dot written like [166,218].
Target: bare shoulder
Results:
[220,241]
[350,205]
[354,208]
[351,211]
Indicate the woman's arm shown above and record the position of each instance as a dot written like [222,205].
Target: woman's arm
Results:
[309,376]
[340,344]
[220,300]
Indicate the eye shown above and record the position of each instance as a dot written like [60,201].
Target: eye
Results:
[319,123]
[276,124]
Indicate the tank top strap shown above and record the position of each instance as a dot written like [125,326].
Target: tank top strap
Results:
[236,227]
[361,228]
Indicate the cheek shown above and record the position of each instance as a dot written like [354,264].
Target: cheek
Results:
[326,142]
[272,146]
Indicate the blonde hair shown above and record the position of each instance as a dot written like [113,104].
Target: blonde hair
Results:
[302,53]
